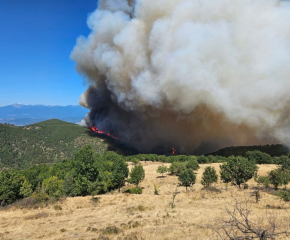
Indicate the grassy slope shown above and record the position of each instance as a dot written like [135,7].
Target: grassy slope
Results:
[145,216]
[44,142]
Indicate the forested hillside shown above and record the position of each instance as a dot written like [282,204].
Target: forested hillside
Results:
[273,150]
[44,142]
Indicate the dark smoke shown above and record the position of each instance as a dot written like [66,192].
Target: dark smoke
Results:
[194,75]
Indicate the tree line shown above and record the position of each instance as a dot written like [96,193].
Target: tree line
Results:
[89,173]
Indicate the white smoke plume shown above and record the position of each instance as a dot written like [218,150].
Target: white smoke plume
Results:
[190,74]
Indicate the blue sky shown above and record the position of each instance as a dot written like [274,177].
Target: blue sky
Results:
[36,39]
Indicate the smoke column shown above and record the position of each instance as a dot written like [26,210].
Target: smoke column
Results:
[195,75]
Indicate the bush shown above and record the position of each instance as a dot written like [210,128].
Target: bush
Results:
[263,180]
[284,195]
[39,197]
[136,190]
[156,189]
[209,176]
[237,170]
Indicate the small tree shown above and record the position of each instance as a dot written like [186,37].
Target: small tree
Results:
[237,170]
[192,164]
[209,176]
[137,174]
[284,161]
[120,173]
[187,178]
[279,177]
[177,167]
[162,169]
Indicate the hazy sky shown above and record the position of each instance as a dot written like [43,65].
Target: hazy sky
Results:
[36,39]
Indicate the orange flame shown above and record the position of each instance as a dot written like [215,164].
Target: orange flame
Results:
[173,151]
[95,129]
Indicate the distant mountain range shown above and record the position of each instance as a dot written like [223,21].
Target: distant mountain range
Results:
[21,115]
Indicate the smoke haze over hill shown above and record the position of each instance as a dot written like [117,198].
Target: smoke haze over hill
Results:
[195,75]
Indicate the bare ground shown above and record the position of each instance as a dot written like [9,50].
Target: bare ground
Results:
[147,216]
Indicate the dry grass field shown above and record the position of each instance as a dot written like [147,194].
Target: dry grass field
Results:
[147,216]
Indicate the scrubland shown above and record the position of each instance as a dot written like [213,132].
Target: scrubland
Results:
[147,216]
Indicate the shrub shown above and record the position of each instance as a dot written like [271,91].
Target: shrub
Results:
[284,195]
[136,190]
[209,176]
[156,189]
[263,180]
[39,197]
[237,170]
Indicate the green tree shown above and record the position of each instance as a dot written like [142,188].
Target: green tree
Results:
[186,178]
[202,159]
[284,162]
[137,174]
[52,186]
[84,165]
[26,188]
[237,170]
[120,173]
[259,157]
[209,176]
[161,169]
[10,184]
[69,185]
[192,164]
[177,167]
[279,177]
[36,174]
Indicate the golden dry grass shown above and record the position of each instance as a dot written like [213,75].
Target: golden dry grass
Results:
[147,216]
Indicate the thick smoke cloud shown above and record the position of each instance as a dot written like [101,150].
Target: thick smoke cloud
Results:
[193,74]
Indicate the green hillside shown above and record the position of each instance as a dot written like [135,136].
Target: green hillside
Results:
[44,142]
[273,150]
